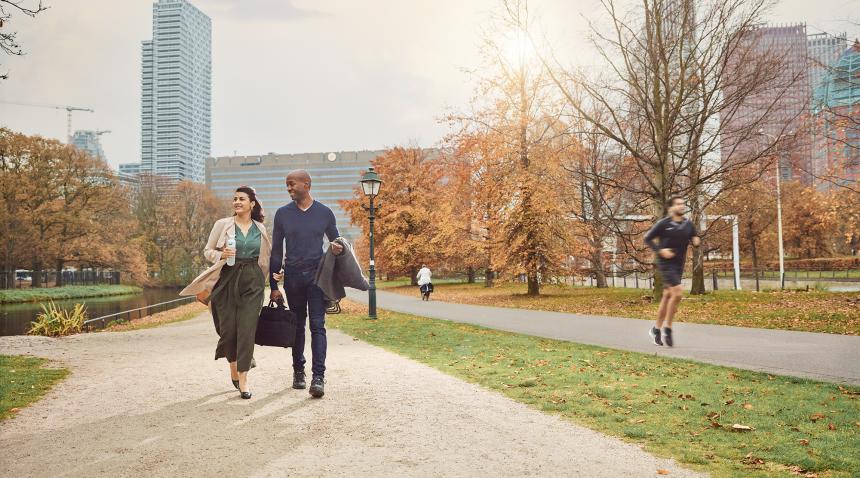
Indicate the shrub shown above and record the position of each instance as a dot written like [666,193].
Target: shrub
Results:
[55,321]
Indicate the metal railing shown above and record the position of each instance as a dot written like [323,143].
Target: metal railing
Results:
[139,310]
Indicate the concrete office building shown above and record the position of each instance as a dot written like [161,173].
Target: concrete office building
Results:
[784,107]
[335,175]
[177,92]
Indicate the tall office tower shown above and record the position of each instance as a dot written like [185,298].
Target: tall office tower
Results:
[89,141]
[779,110]
[823,49]
[176,96]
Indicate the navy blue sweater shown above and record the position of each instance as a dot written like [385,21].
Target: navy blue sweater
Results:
[303,232]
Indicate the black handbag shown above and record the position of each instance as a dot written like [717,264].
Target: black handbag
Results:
[276,327]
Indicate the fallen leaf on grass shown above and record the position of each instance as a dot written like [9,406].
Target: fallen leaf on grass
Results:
[747,406]
[831,426]
[742,428]
[14,410]
[729,402]
[661,471]
[752,460]
[817,416]
[804,442]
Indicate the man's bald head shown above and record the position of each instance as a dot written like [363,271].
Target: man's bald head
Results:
[298,184]
[299,175]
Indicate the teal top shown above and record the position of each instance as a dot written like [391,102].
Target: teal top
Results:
[248,247]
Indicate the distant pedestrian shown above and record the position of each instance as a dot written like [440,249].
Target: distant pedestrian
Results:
[675,232]
[234,286]
[425,285]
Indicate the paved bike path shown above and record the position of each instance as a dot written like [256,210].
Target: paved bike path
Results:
[827,357]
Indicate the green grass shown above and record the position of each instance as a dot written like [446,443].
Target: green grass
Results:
[792,275]
[813,311]
[674,408]
[23,380]
[12,296]
[404,282]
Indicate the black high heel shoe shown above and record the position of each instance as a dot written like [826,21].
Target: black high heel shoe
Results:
[236,384]
[245,395]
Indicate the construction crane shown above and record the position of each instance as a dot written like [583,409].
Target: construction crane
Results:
[68,109]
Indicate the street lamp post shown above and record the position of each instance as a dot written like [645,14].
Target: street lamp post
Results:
[370,184]
[778,209]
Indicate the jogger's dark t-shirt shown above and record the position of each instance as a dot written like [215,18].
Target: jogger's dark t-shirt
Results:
[673,235]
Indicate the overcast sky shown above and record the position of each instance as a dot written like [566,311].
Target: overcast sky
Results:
[291,77]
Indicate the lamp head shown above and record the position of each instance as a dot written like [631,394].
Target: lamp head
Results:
[370,183]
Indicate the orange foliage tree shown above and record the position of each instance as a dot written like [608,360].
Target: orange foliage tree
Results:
[408,201]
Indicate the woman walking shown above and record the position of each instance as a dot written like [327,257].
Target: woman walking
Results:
[234,285]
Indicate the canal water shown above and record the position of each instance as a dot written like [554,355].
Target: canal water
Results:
[15,318]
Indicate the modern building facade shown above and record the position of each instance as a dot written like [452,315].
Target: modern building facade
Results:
[837,120]
[778,110]
[334,176]
[89,141]
[176,93]
[823,50]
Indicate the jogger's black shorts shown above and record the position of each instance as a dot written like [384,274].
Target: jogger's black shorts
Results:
[671,272]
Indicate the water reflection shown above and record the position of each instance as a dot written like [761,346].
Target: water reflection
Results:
[15,318]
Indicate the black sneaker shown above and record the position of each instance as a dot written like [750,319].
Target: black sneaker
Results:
[299,380]
[667,336]
[317,389]
[655,334]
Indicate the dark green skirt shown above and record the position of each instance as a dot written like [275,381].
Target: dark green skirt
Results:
[236,302]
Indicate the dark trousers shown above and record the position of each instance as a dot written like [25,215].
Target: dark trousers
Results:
[306,300]
[236,301]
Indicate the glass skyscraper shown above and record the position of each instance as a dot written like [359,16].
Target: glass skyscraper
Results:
[177,92]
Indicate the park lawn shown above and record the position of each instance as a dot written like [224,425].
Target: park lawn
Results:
[12,296]
[23,380]
[673,407]
[178,314]
[813,311]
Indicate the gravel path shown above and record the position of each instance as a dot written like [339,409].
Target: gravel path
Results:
[154,403]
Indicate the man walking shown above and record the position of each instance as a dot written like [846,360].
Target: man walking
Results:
[675,232]
[302,224]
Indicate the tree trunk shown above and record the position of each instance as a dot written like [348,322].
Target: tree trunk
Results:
[534,284]
[597,266]
[60,264]
[698,271]
[754,252]
[471,275]
[413,276]
[489,277]
[37,274]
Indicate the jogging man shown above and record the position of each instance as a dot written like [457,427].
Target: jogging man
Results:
[674,232]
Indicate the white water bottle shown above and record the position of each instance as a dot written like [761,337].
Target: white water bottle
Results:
[231,244]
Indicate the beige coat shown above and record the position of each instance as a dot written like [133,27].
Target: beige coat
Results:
[222,230]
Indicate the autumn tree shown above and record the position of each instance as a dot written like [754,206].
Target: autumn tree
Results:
[671,84]
[459,236]
[517,118]
[405,226]
[62,206]
[175,220]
